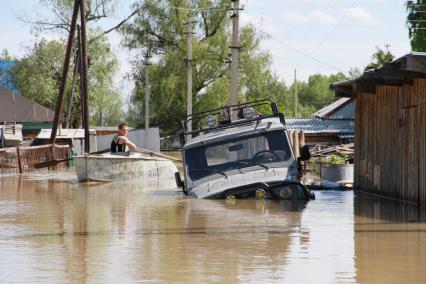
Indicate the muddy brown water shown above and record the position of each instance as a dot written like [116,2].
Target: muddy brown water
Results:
[54,230]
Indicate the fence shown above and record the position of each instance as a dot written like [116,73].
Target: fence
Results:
[24,159]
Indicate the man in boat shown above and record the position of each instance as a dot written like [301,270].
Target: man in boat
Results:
[120,143]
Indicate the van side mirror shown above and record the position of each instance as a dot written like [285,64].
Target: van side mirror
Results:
[179,182]
[304,153]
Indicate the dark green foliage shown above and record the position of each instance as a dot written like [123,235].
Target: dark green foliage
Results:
[416,21]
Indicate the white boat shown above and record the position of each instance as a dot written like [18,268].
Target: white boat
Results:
[113,167]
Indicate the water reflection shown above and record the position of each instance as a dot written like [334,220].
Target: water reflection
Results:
[53,229]
[390,241]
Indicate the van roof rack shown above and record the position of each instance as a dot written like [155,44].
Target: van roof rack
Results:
[229,116]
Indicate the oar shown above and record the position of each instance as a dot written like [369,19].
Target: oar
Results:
[50,163]
[152,153]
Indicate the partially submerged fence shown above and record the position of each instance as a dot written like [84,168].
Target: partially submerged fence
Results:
[25,159]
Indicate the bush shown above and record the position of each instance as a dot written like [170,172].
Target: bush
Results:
[336,160]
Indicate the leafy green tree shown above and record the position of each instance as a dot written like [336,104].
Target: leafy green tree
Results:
[379,58]
[159,29]
[315,93]
[5,55]
[416,21]
[39,72]
[38,76]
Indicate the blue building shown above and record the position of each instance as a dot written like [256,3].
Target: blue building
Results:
[5,66]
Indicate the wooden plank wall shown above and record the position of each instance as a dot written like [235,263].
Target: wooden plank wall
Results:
[390,141]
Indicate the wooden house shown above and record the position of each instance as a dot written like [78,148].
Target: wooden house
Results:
[390,128]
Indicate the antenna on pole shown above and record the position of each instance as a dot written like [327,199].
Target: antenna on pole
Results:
[235,48]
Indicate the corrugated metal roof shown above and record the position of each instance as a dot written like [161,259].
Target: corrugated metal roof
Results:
[346,112]
[321,126]
[346,136]
[343,108]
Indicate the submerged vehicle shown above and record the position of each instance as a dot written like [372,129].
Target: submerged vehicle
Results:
[238,152]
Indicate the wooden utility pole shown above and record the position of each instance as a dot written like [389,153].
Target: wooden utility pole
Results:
[295,94]
[84,77]
[147,97]
[74,75]
[60,102]
[189,70]
[235,49]
[80,70]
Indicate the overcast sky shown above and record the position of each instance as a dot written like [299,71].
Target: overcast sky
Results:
[312,36]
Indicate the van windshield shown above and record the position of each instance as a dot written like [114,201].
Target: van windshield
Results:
[265,150]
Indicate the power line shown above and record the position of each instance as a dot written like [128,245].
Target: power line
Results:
[332,30]
[303,54]
[314,22]
[208,9]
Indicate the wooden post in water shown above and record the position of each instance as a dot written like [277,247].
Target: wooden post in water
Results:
[296,144]
[290,136]
[301,144]
[302,138]
[18,158]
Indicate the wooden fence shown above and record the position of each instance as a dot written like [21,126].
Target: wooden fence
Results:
[15,160]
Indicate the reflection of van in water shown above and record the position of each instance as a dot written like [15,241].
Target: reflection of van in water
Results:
[236,152]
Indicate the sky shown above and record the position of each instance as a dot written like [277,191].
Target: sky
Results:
[311,36]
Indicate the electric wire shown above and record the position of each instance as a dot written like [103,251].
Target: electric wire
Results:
[332,30]
[302,53]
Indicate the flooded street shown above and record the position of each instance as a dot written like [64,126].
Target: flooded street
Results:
[54,230]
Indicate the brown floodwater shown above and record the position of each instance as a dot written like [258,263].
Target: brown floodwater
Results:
[54,230]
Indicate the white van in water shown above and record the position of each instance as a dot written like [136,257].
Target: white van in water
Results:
[236,152]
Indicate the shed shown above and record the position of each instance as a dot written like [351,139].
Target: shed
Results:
[390,128]
[71,137]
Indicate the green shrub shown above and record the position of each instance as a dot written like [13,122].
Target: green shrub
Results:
[336,160]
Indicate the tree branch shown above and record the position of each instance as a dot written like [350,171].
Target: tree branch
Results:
[215,29]
[116,26]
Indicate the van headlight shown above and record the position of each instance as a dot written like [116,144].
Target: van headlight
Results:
[260,193]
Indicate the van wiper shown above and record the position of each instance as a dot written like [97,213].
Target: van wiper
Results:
[248,164]
[210,170]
